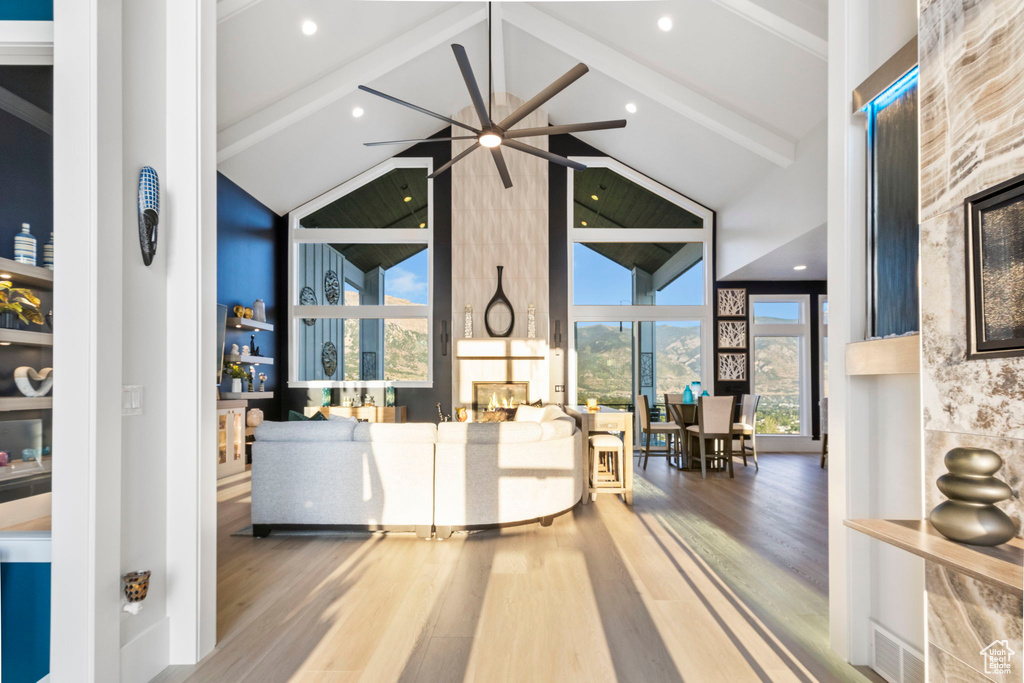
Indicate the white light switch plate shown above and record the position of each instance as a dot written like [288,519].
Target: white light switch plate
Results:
[131,399]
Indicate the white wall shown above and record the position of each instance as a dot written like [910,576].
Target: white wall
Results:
[874,430]
[786,204]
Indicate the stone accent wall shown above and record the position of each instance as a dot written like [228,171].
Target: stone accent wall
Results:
[972,137]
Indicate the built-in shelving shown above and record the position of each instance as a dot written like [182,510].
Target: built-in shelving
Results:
[250,395]
[8,403]
[23,275]
[248,360]
[249,324]
[25,338]
[893,356]
[1000,566]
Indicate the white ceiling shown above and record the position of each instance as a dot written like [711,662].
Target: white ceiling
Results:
[806,250]
[722,99]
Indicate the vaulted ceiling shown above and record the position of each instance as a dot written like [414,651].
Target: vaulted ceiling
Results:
[722,100]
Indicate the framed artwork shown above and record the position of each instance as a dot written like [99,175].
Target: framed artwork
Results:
[732,367]
[732,334]
[995,268]
[732,303]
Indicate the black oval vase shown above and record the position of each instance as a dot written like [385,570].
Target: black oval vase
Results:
[499,299]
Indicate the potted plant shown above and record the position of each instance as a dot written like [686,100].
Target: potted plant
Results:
[237,374]
[17,303]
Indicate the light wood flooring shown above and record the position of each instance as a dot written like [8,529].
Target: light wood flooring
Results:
[703,581]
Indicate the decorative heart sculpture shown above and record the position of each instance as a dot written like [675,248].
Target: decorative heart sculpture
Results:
[25,376]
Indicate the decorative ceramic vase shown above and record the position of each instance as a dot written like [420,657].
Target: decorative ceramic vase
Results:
[4,458]
[136,586]
[25,246]
[687,395]
[48,253]
[254,418]
[497,301]
[325,397]
[259,311]
[9,321]
[531,321]
[149,212]
[461,414]
[389,396]
[236,385]
[467,327]
[970,515]
[695,389]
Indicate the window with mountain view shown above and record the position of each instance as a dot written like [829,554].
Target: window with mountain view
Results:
[362,272]
[780,334]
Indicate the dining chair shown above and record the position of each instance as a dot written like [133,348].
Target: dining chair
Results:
[683,414]
[670,430]
[746,428]
[823,404]
[714,425]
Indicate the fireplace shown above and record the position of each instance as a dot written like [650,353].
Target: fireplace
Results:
[497,401]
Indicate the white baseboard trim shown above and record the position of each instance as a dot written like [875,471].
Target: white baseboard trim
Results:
[149,654]
[787,444]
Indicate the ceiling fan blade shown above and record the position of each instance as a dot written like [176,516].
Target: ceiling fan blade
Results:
[570,77]
[499,161]
[543,154]
[458,157]
[419,109]
[567,128]
[405,142]
[474,90]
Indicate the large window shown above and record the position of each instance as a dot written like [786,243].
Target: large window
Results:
[361,281]
[639,289]
[780,334]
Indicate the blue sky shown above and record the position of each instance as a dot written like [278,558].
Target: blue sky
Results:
[408,279]
[598,281]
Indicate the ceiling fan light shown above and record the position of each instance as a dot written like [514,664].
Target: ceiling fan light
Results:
[631,108]
[490,140]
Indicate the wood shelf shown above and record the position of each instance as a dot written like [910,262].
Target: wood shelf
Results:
[249,324]
[26,338]
[251,360]
[247,395]
[1000,566]
[23,275]
[893,356]
[8,403]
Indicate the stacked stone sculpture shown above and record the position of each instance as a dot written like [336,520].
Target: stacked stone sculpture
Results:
[970,515]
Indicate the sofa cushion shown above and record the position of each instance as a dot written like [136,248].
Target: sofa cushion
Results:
[341,418]
[309,430]
[558,428]
[406,432]
[526,413]
[552,413]
[488,432]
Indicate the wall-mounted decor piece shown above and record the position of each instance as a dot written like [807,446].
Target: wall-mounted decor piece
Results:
[332,287]
[25,246]
[149,212]
[498,304]
[646,369]
[25,378]
[531,321]
[329,358]
[307,297]
[732,334]
[732,303]
[48,253]
[970,515]
[369,366]
[389,396]
[259,311]
[995,271]
[467,324]
[732,367]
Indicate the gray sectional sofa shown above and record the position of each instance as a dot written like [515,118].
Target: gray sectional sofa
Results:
[423,477]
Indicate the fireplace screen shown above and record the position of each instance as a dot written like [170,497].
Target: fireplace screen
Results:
[497,401]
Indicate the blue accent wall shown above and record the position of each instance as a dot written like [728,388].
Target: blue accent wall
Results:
[248,238]
[26,10]
[25,615]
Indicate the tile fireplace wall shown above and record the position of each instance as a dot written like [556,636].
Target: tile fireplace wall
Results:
[972,137]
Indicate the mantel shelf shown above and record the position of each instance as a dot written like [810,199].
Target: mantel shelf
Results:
[500,347]
[23,275]
[250,360]
[249,324]
[1000,566]
[892,356]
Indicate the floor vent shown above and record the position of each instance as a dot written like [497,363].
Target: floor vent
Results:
[894,659]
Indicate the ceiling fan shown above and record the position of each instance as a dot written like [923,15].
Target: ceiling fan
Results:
[497,134]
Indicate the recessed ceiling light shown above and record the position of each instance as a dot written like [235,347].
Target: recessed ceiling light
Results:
[309,27]
[5,343]
[665,23]
[594,197]
[357,112]
[799,267]
[631,108]
[407,199]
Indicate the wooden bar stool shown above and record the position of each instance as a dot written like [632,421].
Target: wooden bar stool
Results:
[611,448]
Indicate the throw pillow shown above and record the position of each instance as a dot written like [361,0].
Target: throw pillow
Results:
[295,416]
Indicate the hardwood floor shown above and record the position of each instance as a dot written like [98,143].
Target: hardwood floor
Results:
[703,580]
